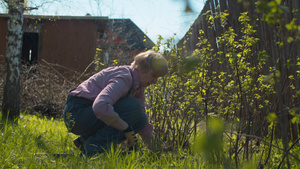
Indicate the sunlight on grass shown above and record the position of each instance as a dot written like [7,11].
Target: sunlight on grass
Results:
[24,143]
[33,142]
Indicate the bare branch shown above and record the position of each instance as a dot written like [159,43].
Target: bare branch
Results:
[31,8]
[259,138]
[86,69]
[288,151]
[39,6]
[62,76]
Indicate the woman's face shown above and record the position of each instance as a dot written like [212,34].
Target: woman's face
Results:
[147,78]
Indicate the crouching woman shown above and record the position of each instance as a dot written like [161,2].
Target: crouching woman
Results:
[109,107]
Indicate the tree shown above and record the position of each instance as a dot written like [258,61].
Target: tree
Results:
[11,92]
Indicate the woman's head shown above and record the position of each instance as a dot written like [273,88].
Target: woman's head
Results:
[150,65]
[151,60]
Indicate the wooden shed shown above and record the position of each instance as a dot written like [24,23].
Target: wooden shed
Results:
[69,41]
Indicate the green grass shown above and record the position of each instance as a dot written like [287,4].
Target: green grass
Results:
[31,142]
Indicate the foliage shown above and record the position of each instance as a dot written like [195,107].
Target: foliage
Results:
[45,143]
[35,142]
[98,63]
[272,10]
[224,107]
[233,83]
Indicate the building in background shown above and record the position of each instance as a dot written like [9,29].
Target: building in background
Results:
[69,42]
[121,41]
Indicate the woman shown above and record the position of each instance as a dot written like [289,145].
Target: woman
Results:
[109,107]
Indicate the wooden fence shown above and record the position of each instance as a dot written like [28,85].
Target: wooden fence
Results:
[265,33]
[284,57]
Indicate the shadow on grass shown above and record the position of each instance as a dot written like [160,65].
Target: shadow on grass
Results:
[41,143]
[4,123]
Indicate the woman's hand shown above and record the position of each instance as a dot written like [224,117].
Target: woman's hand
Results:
[131,139]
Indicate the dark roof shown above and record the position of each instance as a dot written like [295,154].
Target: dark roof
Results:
[59,17]
[128,31]
[100,21]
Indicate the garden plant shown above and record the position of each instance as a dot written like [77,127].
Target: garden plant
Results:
[234,106]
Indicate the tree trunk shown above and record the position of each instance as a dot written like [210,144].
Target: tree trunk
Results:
[11,91]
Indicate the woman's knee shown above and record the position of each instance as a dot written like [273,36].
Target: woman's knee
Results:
[128,108]
[128,104]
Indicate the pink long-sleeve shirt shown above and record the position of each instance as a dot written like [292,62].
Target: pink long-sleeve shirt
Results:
[107,86]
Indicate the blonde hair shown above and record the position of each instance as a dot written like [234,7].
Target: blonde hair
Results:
[150,59]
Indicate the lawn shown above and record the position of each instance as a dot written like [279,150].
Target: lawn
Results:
[34,142]
[40,142]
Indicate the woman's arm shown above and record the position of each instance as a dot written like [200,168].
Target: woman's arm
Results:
[119,124]
[103,103]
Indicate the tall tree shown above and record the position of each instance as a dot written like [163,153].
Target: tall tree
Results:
[11,92]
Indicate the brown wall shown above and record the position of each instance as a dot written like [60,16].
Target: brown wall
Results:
[68,43]
[3,33]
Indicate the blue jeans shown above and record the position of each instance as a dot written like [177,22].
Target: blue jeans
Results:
[80,120]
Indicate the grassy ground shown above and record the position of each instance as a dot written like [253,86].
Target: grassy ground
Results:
[35,142]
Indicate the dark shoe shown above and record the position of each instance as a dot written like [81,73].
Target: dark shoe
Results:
[78,142]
